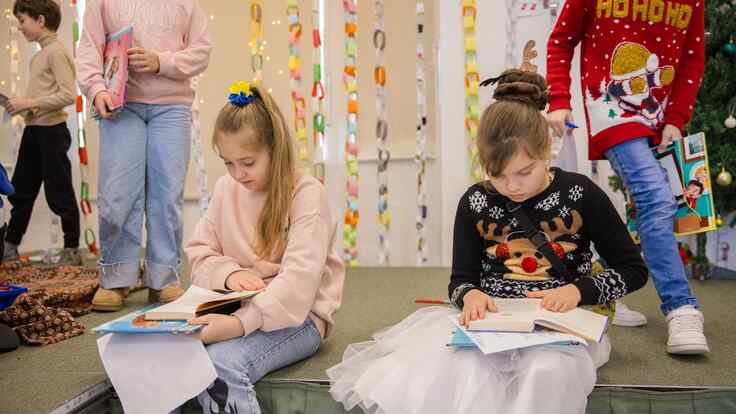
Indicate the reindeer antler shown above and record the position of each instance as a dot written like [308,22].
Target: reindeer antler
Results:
[490,234]
[560,228]
[527,56]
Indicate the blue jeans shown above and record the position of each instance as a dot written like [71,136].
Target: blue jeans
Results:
[241,362]
[649,187]
[144,155]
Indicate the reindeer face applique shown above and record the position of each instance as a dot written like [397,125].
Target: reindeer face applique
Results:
[519,254]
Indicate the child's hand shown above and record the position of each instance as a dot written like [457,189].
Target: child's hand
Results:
[561,299]
[103,104]
[669,134]
[142,60]
[557,119]
[244,280]
[218,327]
[17,104]
[475,304]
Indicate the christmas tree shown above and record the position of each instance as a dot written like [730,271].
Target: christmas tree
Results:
[714,105]
[717,99]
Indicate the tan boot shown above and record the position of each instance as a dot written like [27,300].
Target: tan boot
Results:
[110,300]
[167,294]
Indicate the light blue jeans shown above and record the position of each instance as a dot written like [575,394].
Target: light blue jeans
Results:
[241,362]
[649,187]
[144,155]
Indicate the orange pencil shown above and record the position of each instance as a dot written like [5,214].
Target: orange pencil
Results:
[432,301]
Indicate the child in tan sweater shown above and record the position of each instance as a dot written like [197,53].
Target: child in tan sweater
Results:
[42,157]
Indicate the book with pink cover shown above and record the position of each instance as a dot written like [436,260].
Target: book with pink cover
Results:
[115,67]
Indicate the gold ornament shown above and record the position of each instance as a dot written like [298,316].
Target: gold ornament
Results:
[724,178]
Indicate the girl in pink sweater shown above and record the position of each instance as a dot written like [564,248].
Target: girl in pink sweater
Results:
[267,227]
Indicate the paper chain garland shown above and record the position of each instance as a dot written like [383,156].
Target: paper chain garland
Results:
[472,79]
[421,140]
[318,98]
[384,155]
[295,74]
[256,43]
[85,206]
[350,80]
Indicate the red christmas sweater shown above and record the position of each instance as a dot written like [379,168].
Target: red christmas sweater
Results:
[641,65]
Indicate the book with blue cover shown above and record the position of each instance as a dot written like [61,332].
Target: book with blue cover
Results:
[136,323]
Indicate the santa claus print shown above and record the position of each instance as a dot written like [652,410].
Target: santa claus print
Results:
[635,72]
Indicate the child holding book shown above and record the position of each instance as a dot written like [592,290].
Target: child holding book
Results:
[641,65]
[144,146]
[409,369]
[42,157]
[268,227]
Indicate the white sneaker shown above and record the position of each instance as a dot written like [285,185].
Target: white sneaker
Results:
[627,317]
[686,331]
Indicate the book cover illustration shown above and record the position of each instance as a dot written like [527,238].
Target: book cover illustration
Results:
[136,323]
[115,67]
[686,163]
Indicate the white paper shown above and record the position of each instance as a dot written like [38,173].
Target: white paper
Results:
[492,342]
[155,373]
[565,153]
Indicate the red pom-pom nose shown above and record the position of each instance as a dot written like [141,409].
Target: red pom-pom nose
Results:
[529,264]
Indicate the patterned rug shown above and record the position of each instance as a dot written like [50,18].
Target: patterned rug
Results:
[45,315]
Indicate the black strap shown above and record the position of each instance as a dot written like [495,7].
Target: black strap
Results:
[538,239]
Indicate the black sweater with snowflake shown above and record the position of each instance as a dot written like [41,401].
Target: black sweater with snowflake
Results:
[491,253]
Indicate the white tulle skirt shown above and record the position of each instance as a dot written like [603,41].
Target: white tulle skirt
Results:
[408,368]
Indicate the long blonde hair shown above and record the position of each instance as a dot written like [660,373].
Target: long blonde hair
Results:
[514,121]
[271,133]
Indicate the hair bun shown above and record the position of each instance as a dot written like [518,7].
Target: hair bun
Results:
[521,86]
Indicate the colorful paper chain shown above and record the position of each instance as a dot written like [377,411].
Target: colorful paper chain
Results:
[384,155]
[350,78]
[295,74]
[257,44]
[85,206]
[421,140]
[318,98]
[472,79]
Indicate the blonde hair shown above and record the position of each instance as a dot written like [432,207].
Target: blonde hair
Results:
[271,133]
[514,121]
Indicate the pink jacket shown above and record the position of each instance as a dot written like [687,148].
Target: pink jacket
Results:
[305,281]
[175,29]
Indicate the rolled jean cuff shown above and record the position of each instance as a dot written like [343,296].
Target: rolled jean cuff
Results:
[119,274]
[670,306]
[158,276]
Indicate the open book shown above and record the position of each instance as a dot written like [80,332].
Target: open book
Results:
[135,323]
[115,65]
[522,315]
[197,301]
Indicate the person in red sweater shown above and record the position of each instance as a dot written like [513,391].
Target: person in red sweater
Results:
[641,64]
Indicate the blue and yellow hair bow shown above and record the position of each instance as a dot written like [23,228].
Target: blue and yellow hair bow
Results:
[240,94]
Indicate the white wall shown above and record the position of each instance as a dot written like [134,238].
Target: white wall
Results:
[448,175]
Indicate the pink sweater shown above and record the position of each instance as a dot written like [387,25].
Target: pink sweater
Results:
[305,281]
[174,29]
